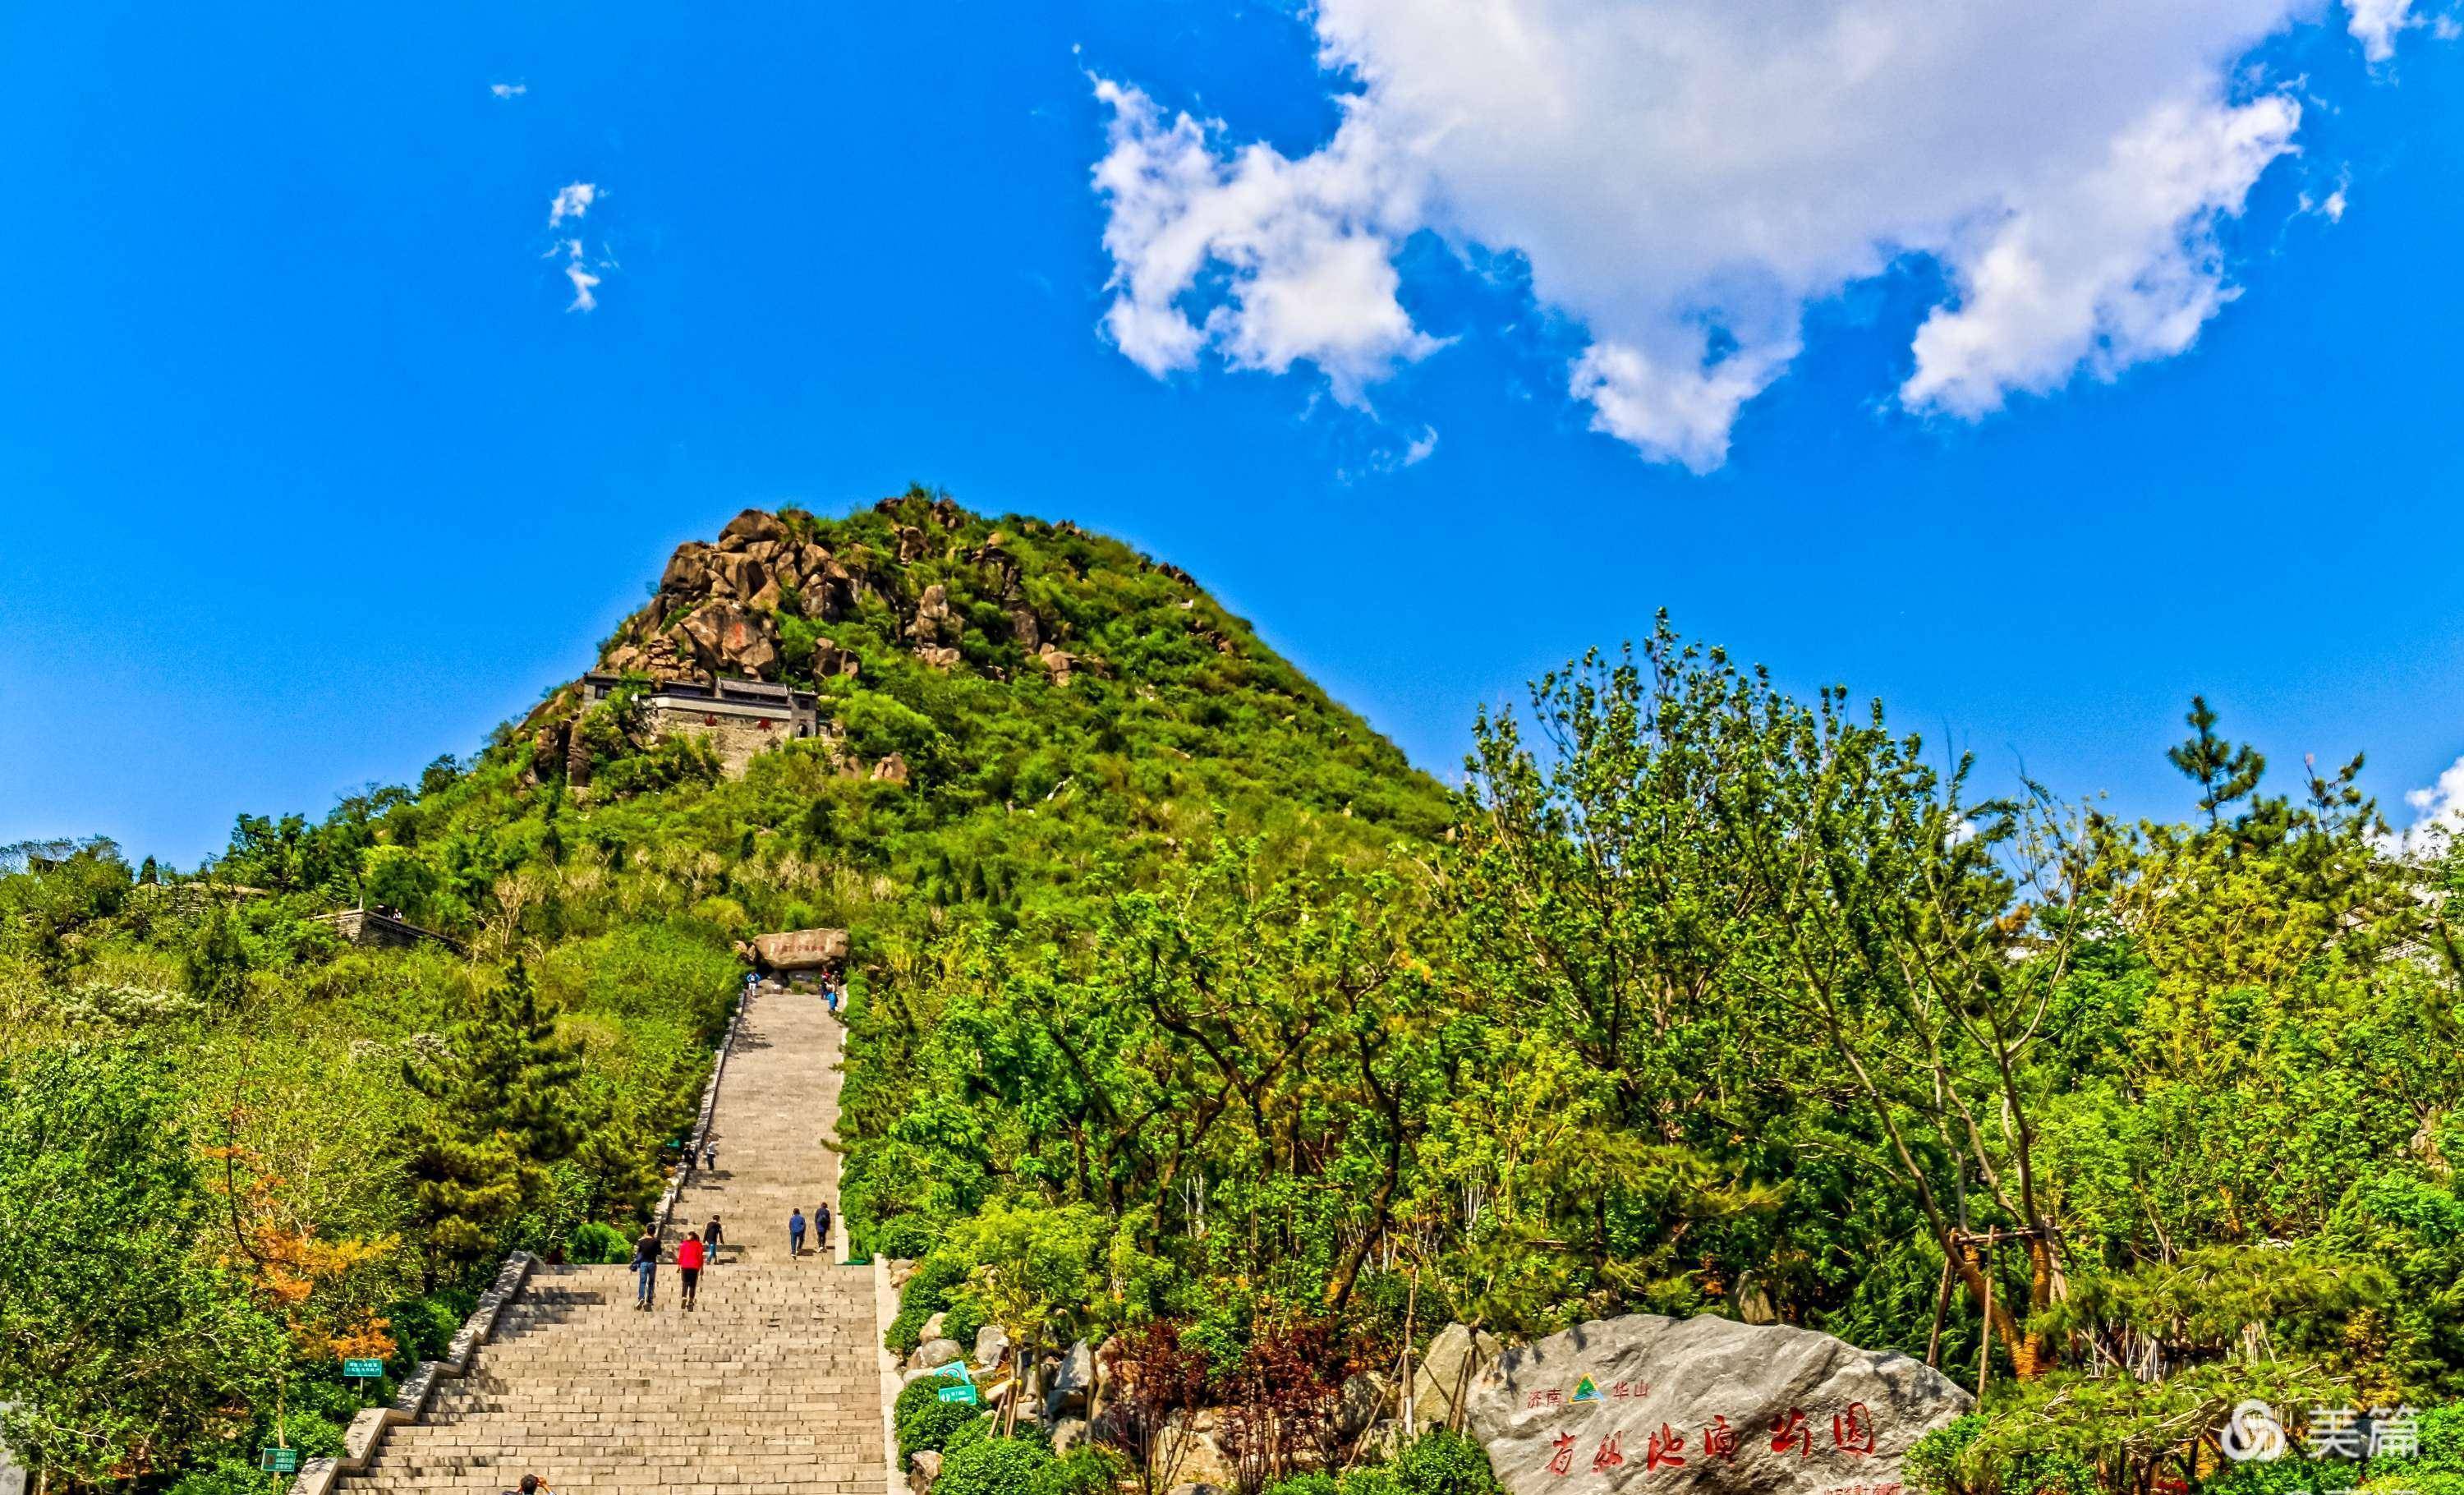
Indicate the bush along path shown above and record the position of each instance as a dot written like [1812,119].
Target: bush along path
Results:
[767,1386]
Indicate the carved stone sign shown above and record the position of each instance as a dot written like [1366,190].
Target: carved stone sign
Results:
[802,949]
[1707,1406]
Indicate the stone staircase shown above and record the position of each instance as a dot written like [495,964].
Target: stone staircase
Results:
[769,1387]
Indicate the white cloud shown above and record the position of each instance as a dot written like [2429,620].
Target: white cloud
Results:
[1307,247]
[1421,447]
[2374,24]
[572,200]
[1686,177]
[2439,814]
[508,90]
[579,272]
[2116,268]
[2332,206]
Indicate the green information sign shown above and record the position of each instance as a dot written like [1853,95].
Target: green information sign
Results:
[965,1394]
[279,1460]
[370,1369]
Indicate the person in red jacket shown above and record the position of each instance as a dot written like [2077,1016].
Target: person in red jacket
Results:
[689,1260]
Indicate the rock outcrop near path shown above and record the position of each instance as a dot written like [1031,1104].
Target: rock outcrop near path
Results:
[1707,1406]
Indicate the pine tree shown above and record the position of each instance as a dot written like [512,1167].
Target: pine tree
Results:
[2223,771]
[501,1110]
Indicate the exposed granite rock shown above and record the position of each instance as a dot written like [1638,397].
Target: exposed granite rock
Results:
[1704,1405]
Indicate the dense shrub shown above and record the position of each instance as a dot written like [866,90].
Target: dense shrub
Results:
[1087,1469]
[908,1237]
[595,1244]
[1310,1483]
[1442,1462]
[905,1332]
[965,1321]
[1374,1479]
[424,1328]
[923,1420]
[993,1466]
[936,1277]
[1933,1466]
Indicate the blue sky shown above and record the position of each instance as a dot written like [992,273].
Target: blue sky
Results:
[309,472]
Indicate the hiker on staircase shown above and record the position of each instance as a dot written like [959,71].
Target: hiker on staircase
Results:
[689,1259]
[795,1232]
[645,1267]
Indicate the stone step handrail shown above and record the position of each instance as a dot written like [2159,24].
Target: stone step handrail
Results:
[366,1437]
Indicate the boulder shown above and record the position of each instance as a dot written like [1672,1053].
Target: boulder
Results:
[828,659]
[1208,1465]
[992,1344]
[923,1468]
[898,1268]
[890,770]
[688,570]
[934,622]
[1067,1433]
[752,525]
[737,576]
[938,1353]
[931,1328]
[1365,1396]
[822,950]
[1446,1371]
[1073,1383]
[910,545]
[825,588]
[1705,1405]
[938,657]
[729,640]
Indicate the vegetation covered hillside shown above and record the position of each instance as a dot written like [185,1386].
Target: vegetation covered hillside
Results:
[234,1147]
[1189,1019]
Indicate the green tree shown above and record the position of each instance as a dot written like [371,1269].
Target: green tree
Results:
[500,1112]
[2223,771]
[121,1347]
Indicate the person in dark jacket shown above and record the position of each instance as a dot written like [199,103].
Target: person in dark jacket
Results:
[646,1268]
[795,1232]
[711,1238]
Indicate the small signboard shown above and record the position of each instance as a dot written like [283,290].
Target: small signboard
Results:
[965,1394]
[367,1368]
[279,1460]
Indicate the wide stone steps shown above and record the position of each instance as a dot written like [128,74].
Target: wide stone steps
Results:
[770,1386]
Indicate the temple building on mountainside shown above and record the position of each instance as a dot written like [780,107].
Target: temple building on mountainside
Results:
[736,717]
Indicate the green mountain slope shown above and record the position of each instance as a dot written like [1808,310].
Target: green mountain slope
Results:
[1017,718]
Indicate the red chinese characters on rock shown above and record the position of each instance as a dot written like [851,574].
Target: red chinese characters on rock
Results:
[1852,1434]
[1789,1431]
[1661,1452]
[1611,1454]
